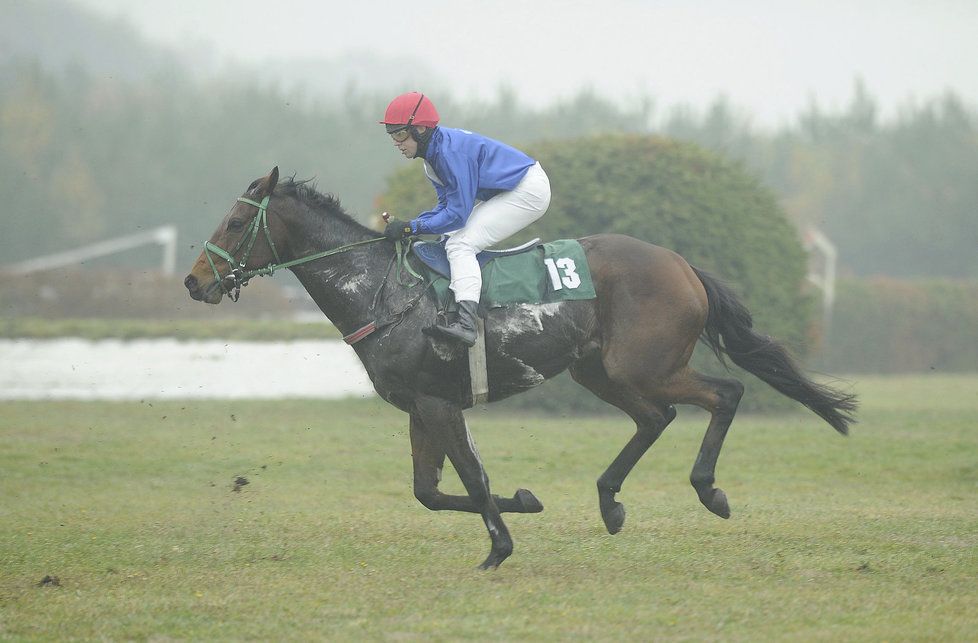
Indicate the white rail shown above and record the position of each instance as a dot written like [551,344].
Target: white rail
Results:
[165,236]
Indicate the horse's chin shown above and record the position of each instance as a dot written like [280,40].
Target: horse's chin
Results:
[211,294]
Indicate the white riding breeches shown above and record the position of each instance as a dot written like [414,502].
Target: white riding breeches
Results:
[491,222]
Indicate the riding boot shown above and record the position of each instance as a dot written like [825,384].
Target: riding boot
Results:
[466,328]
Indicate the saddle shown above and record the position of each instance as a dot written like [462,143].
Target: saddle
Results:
[433,255]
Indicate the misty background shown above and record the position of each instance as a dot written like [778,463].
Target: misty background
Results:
[118,117]
[834,106]
[769,58]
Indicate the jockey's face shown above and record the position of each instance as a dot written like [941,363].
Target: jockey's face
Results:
[408,147]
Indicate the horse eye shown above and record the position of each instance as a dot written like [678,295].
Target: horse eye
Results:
[235,224]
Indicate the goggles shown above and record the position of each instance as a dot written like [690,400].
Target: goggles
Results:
[401,135]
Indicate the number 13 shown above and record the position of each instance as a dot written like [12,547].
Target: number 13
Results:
[570,278]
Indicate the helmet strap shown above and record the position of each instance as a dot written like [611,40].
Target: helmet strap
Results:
[422,139]
[414,112]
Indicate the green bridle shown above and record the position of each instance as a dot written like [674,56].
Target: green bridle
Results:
[240,277]
[238,273]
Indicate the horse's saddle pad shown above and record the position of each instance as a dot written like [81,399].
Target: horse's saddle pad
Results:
[533,273]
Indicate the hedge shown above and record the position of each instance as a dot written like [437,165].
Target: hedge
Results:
[886,325]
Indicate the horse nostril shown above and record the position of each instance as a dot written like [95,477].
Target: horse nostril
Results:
[190,282]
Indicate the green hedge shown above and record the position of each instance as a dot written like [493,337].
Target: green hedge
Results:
[674,194]
[885,325]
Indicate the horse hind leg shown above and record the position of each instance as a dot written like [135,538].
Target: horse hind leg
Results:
[650,418]
[648,430]
[719,396]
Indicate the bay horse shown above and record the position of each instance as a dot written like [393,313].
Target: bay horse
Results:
[630,346]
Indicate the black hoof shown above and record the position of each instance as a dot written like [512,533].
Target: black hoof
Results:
[528,502]
[717,503]
[494,560]
[614,518]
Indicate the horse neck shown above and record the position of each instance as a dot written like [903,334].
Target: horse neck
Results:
[343,285]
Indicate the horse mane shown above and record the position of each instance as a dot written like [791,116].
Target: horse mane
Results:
[305,192]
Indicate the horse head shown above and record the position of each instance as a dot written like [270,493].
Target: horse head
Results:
[234,252]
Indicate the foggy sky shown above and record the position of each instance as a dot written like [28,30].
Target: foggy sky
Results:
[769,57]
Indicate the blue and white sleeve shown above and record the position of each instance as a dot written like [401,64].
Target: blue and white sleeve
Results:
[455,199]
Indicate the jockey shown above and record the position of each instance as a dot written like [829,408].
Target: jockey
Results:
[487,191]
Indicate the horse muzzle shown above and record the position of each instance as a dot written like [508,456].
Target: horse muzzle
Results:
[211,293]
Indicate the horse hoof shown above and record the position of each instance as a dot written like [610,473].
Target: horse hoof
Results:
[494,560]
[529,502]
[718,504]
[614,518]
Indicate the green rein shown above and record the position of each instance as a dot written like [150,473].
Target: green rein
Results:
[260,223]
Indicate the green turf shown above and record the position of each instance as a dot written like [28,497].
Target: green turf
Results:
[132,507]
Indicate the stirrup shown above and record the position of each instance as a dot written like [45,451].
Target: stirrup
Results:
[453,332]
[464,329]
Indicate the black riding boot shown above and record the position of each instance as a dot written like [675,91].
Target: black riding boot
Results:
[466,328]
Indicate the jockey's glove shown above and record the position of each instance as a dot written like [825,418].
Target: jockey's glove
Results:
[397,229]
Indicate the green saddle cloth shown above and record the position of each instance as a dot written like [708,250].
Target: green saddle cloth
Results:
[548,273]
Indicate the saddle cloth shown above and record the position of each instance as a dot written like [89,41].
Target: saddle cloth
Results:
[534,273]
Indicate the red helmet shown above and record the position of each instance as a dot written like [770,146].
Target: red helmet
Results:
[413,108]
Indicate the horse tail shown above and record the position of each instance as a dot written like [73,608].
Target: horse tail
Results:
[729,330]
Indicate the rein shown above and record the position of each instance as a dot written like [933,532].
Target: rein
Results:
[240,277]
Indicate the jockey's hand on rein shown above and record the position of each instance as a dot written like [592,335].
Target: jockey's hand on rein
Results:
[397,229]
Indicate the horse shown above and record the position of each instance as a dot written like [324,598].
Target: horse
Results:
[630,346]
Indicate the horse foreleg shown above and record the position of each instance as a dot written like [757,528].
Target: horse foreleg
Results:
[445,421]
[429,458]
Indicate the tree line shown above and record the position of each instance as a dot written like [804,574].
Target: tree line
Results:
[84,157]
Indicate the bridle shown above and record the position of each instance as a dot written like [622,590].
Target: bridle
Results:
[240,277]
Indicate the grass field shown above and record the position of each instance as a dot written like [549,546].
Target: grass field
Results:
[133,508]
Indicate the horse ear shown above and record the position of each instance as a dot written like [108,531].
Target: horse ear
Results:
[272,180]
[264,186]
